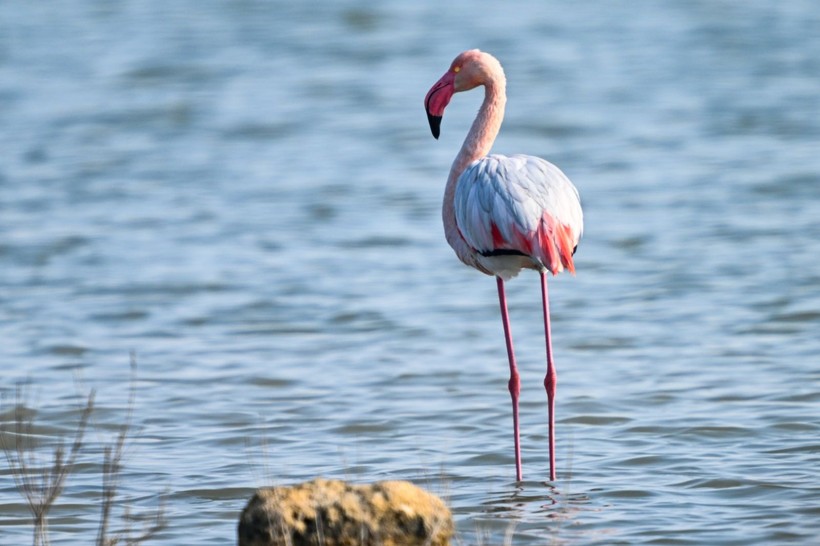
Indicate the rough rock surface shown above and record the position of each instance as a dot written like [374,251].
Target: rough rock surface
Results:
[334,513]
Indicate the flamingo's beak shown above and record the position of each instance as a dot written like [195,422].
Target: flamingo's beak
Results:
[437,100]
[435,124]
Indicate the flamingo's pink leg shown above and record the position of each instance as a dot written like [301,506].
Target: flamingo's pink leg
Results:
[515,382]
[551,379]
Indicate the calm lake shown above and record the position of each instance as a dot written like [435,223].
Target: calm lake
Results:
[246,195]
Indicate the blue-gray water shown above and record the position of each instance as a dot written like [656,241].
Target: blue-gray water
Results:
[247,195]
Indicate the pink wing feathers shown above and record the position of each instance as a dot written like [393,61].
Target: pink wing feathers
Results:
[519,204]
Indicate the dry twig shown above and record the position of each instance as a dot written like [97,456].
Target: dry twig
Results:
[40,484]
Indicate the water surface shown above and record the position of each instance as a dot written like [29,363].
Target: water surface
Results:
[246,194]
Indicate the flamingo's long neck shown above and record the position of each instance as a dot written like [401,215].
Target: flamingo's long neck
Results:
[479,140]
[485,127]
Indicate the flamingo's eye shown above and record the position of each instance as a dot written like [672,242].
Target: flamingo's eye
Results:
[456,69]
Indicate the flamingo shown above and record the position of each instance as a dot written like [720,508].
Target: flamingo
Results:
[504,214]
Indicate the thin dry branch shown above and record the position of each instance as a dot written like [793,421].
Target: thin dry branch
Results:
[40,484]
[112,465]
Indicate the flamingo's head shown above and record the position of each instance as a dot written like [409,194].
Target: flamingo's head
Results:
[470,69]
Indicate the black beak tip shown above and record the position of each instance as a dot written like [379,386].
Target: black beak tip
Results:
[435,124]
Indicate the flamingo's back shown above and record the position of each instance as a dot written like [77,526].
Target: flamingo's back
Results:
[518,209]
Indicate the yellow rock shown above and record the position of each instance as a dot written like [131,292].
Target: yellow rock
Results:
[334,513]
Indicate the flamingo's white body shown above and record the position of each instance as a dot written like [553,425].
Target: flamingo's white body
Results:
[520,204]
[503,214]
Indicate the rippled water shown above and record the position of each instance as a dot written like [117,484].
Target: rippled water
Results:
[246,194]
